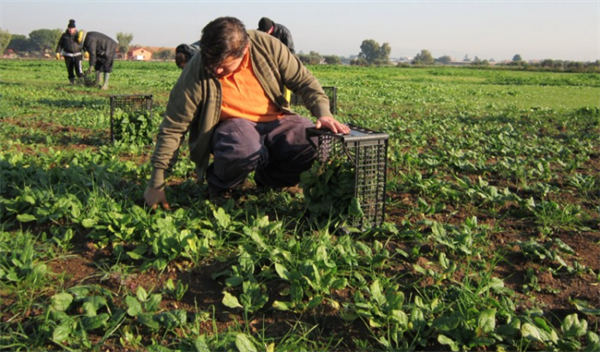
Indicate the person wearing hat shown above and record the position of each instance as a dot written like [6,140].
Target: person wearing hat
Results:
[101,49]
[71,51]
[229,102]
[277,30]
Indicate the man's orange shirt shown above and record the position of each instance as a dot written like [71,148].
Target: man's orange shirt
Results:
[244,97]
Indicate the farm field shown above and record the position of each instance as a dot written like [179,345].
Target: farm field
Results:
[490,240]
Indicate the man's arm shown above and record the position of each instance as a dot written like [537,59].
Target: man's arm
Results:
[183,106]
[289,41]
[90,47]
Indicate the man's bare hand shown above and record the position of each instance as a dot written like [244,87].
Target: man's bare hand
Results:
[154,196]
[332,124]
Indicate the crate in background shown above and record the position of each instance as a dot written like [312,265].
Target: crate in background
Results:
[138,104]
[367,151]
[331,93]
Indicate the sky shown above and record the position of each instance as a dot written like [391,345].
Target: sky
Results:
[486,29]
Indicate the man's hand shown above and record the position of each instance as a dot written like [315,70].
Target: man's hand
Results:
[332,124]
[154,196]
[57,56]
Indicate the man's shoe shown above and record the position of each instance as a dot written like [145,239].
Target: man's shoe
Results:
[218,196]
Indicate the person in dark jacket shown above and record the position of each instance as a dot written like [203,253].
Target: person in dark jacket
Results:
[71,51]
[280,32]
[101,49]
[277,30]
[185,52]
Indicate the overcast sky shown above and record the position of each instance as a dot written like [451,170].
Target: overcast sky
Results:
[535,29]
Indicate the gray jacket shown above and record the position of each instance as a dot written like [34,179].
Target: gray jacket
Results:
[194,104]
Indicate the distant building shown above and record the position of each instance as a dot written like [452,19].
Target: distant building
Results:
[139,54]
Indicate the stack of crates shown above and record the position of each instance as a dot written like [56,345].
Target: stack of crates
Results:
[331,93]
[130,104]
[366,150]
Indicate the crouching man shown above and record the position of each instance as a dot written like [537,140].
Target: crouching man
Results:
[230,100]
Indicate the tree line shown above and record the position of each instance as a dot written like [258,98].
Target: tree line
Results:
[371,54]
[43,41]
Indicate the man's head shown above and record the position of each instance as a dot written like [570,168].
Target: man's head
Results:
[266,25]
[224,41]
[71,27]
[181,60]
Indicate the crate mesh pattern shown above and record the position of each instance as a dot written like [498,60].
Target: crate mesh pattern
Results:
[130,104]
[366,150]
[331,93]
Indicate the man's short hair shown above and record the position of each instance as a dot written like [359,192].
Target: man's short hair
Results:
[222,38]
[265,24]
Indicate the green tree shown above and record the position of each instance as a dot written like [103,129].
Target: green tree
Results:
[124,40]
[517,58]
[5,37]
[45,39]
[373,53]
[164,54]
[312,58]
[547,63]
[384,54]
[444,60]
[359,62]
[333,60]
[19,42]
[423,58]
[478,62]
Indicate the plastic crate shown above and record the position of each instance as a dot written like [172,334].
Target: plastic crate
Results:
[366,150]
[130,104]
[331,93]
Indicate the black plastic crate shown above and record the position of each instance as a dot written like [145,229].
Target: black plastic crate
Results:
[366,151]
[132,105]
[331,93]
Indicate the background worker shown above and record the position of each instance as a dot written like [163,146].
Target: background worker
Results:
[280,32]
[229,99]
[71,51]
[277,30]
[185,52]
[102,50]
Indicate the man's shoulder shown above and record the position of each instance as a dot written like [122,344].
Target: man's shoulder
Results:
[282,28]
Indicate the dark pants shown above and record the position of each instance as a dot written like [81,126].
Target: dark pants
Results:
[74,67]
[104,63]
[277,151]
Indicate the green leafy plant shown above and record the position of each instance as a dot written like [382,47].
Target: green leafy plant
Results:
[133,127]
[329,190]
